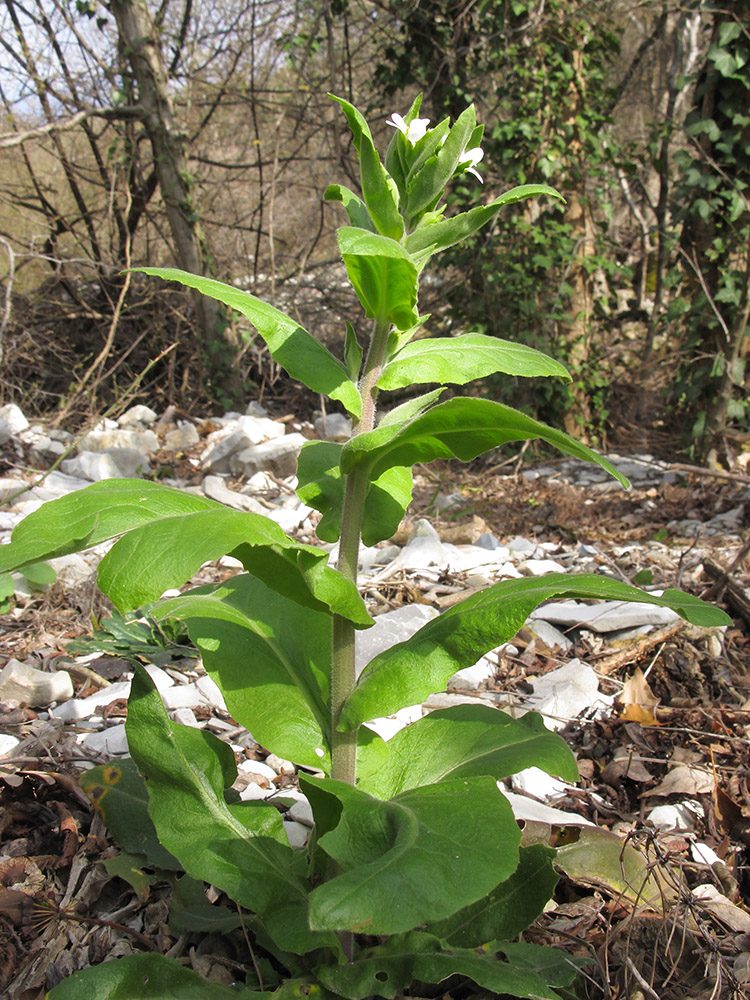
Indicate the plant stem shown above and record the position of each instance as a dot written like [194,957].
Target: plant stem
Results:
[343,677]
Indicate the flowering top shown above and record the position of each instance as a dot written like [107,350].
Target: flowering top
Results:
[469,161]
[414,131]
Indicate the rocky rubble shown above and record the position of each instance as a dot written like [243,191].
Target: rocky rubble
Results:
[247,461]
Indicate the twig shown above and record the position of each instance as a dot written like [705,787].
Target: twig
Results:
[85,673]
[8,291]
[699,470]
[638,648]
[648,991]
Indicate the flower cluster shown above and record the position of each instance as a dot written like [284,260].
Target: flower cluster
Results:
[417,129]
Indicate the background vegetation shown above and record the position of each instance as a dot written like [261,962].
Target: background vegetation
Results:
[197,134]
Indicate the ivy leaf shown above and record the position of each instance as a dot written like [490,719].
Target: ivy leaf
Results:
[458,360]
[321,486]
[382,274]
[241,849]
[302,356]
[458,428]
[433,236]
[420,856]
[284,699]
[378,188]
[408,672]
[466,741]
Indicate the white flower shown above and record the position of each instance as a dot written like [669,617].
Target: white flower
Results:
[469,161]
[414,131]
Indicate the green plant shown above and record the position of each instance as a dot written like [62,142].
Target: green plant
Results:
[36,575]
[414,872]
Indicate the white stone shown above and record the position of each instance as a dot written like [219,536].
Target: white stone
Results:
[333,427]
[210,691]
[302,812]
[116,463]
[110,742]
[185,717]
[537,783]
[608,616]
[160,677]
[240,435]
[297,833]
[278,456]
[13,417]
[183,696]
[5,433]
[563,694]
[387,726]
[215,489]
[7,743]
[704,854]
[33,687]
[72,570]
[550,636]
[280,765]
[289,518]
[258,767]
[143,441]
[185,435]
[538,567]
[472,678]
[680,816]
[138,414]
[253,793]
[58,484]
[84,708]
[389,629]
[532,811]
[442,699]
[45,451]
[522,546]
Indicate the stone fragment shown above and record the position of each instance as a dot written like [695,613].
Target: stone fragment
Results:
[7,743]
[278,456]
[290,518]
[562,694]
[442,699]
[5,433]
[387,726]
[72,570]
[185,717]
[333,427]
[58,484]
[33,687]
[13,418]
[110,742]
[472,678]
[532,811]
[297,833]
[539,567]
[253,793]
[141,441]
[537,783]
[183,696]
[215,489]
[680,816]
[138,414]
[185,435]
[209,689]
[390,628]
[160,677]
[242,434]
[115,463]
[45,451]
[279,764]
[552,637]
[84,708]
[302,812]
[259,768]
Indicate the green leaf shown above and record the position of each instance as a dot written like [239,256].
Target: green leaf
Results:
[191,911]
[129,867]
[410,671]
[460,428]
[39,574]
[302,356]
[382,274]
[270,658]
[420,856]
[458,360]
[241,849]
[321,486]
[434,236]
[140,977]
[466,741]
[387,969]
[378,188]
[352,353]
[509,908]
[354,206]
[426,185]
[411,408]
[118,793]
[7,586]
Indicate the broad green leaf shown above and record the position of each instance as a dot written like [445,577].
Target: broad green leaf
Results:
[241,849]
[382,274]
[270,658]
[129,867]
[410,671]
[321,486]
[190,910]
[378,188]
[7,586]
[466,741]
[410,408]
[509,908]
[140,977]
[118,793]
[388,969]
[426,185]
[420,856]
[354,206]
[432,236]
[458,360]
[302,356]
[39,574]
[460,428]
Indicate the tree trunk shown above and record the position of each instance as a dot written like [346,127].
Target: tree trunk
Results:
[140,40]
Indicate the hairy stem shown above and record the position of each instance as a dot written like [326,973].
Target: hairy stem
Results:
[343,679]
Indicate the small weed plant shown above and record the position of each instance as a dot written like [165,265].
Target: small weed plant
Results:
[414,871]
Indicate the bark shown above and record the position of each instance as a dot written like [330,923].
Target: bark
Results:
[139,36]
